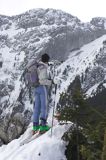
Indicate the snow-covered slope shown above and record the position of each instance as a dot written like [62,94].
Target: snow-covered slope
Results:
[84,62]
[43,148]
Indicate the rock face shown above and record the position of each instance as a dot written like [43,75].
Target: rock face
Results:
[11,127]
[62,32]
[51,31]
[96,74]
[26,36]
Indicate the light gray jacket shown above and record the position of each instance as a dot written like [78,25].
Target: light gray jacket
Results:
[43,74]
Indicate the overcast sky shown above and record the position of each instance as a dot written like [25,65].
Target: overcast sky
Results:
[83,9]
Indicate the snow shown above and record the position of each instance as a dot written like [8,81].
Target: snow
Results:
[8,60]
[7,71]
[46,147]
[104,85]
[79,60]
[12,31]
[92,90]
[16,91]
[44,26]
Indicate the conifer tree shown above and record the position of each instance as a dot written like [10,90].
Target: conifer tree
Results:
[104,142]
[85,136]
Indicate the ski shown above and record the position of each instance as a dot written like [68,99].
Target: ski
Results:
[29,139]
[33,137]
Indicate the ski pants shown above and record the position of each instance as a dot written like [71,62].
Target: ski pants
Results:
[40,110]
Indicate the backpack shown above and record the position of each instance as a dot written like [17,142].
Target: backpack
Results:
[31,74]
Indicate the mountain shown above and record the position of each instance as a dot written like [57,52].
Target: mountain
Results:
[79,47]
[89,62]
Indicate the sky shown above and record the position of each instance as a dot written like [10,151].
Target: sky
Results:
[85,10]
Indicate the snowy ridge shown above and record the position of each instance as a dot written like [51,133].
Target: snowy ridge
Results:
[78,62]
[45,147]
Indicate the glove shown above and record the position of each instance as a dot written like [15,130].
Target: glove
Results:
[55,80]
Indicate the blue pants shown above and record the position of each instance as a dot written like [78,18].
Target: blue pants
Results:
[40,106]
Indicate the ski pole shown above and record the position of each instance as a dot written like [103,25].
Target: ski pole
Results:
[53,111]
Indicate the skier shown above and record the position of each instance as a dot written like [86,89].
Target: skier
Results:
[40,109]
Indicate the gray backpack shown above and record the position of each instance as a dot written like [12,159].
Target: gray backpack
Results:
[31,74]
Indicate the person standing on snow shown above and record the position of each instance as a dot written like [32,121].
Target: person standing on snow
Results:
[41,96]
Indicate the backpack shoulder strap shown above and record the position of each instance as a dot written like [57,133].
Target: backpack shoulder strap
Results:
[32,64]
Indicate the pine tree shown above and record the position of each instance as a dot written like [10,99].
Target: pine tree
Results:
[104,147]
[85,136]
